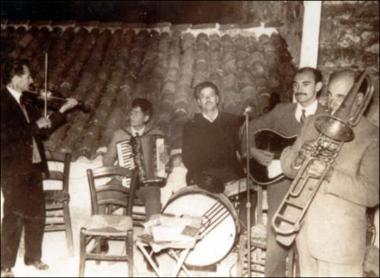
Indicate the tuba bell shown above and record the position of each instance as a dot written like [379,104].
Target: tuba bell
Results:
[334,130]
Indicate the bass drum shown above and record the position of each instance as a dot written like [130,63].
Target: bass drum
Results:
[220,224]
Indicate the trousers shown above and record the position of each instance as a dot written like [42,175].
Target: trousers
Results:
[151,196]
[29,214]
[276,253]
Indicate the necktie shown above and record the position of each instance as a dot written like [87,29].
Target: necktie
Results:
[137,134]
[303,116]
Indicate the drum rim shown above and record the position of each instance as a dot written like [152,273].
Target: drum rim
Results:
[184,190]
[216,196]
[222,196]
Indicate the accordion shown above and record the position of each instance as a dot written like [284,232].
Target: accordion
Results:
[144,153]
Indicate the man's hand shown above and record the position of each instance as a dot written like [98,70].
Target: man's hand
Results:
[176,160]
[43,123]
[261,156]
[164,157]
[70,103]
[48,93]
[316,168]
[309,146]
[305,151]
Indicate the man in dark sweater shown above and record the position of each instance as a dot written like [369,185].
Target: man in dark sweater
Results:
[210,146]
[211,140]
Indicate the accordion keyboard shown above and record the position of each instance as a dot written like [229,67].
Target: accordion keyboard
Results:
[125,154]
[125,158]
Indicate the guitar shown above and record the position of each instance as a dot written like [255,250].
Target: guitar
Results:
[269,140]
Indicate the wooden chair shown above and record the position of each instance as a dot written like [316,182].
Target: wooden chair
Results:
[138,206]
[103,223]
[57,199]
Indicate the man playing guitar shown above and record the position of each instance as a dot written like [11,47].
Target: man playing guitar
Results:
[285,120]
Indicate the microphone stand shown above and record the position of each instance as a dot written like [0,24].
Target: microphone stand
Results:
[248,204]
[45,94]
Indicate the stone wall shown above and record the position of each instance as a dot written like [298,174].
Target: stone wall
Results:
[349,39]
[108,65]
[349,35]
[285,16]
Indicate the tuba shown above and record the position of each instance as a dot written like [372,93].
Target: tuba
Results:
[334,130]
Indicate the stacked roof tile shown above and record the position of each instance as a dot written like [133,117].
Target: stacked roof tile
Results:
[107,66]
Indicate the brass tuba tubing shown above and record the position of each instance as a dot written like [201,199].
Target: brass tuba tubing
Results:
[285,224]
[293,227]
[294,185]
[365,81]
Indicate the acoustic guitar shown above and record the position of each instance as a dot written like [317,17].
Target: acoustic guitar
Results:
[275,142]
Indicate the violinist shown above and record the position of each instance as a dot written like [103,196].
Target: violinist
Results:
[22,164]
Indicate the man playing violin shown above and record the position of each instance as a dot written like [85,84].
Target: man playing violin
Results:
[22,164]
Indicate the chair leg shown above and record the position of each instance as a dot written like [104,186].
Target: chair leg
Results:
[82,253]
[68,229]
[97,248]
[129,251]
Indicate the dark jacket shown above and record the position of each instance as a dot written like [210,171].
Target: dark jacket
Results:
[16,135]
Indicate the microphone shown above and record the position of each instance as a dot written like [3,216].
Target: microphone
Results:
[246,112]
[248,109]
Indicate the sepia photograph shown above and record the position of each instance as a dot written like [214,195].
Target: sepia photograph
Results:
[189,138]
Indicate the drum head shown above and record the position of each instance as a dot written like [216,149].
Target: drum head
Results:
[219,238]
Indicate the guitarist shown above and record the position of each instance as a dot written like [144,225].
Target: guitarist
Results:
[285,119]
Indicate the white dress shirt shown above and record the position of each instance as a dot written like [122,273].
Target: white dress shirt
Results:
[15,94]
[309,110]
[136,132]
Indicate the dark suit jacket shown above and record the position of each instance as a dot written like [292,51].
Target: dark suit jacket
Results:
[16,133]
[282,120]
[17,145]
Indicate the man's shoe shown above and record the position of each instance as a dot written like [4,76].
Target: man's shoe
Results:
[7,272]
[40,265]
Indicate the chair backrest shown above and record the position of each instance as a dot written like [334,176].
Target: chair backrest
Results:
[61,170]
[105,193]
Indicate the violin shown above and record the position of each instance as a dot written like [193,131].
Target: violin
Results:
[53,102]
